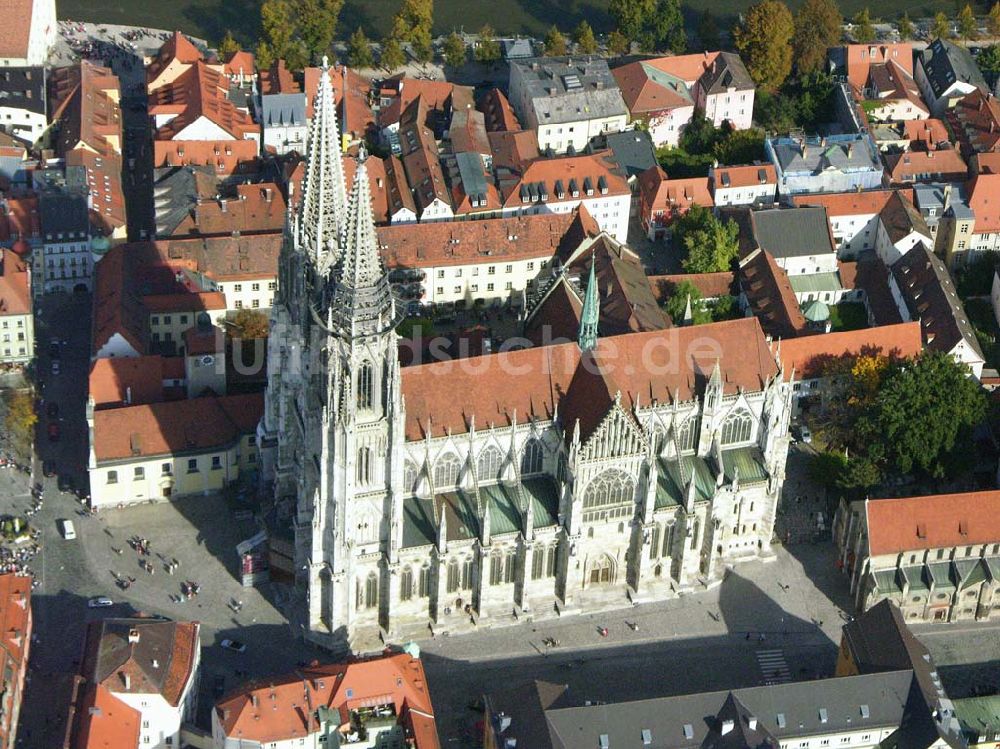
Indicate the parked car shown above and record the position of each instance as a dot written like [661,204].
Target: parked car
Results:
[100,603]
[805,435]
[67,529]
[54,350]
[53,432]
[66,483]
[235,645]
[52,410]
[49,468]
[55,366]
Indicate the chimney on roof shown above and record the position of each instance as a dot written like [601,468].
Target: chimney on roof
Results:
[222,204]
[253,700]
[267,194]
[133,636]
[126,680]
[128,395]
[946,197]
[850,150]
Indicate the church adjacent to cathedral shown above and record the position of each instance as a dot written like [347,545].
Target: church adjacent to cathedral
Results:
[524,484]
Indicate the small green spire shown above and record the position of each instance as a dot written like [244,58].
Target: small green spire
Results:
[591,312]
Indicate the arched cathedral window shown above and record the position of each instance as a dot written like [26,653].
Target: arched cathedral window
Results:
[489,464]
[409,477]
[406,584]
[687,435]
[737,427]
[364,466]
[613,487]
[366,385]
[446,471]
[531,458]
[371,591]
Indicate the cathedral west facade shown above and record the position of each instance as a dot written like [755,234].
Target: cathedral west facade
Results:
[574,477]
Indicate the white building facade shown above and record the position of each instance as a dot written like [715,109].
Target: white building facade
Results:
[409,511]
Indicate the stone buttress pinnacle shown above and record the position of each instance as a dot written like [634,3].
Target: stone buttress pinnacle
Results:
[323,203]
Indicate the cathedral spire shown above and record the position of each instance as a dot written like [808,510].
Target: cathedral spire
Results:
[322,202]
[362,300]
[590,313]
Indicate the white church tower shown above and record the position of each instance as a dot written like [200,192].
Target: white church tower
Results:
[333,409]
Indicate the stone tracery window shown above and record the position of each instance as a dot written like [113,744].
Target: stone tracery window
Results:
[406,584]
[364,466]
[489,464]
[366,385]
[737,427]
[531,458]
[410,473]
[446,471]
[687,435]
[613,487]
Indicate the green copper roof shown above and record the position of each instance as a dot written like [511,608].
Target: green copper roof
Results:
[816,311]
[941,574]
[886,582]
[590,314]
[915,577]
[674,475]
[748,461]
[970,572]
[503,502]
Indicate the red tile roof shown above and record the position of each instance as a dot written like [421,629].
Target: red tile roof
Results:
[865,203]
[944,165]
[272,712]
[661,200]
[420,157]
[860,59]
[403,91]
[154,429]
[278,79]
[256,209]
[749,175]
[104,721]
[934,522]
[438,243]
[19,219]
[15,31]
[770,295]
[984,200]
[807,354]
[200,91]
[513,150]
[355,114]
[927,133]
[15,287]
[499,113]
[689,68]
[128,380]
[240,62]
[567,173]
[387,183]
[532,383]
[15,644]
[644,96]
[709,285]
[975,120]
[177,47]
[225,157]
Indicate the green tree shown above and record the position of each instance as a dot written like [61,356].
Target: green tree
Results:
[454,50]
[864,29]
[905,26]
[555,43]
[251,323]
[618,44]
[417,16]
[967,24]
[318,24]
[392,56]
[401,30]
[818,26]
[583,36]
[739,146]
[993,21]
[264,56]
[359,50]
[708,31]
[926,412]
[488,49]
[941,28]
[631,16]
[278,27]
[668,27]
[764,40]
[699,135]
[422,44]
[989,63]
[228,46]
[676,305]
[710,245]
[19,422]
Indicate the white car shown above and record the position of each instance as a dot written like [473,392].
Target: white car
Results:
[55,366]
[806,435]
[100,603]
